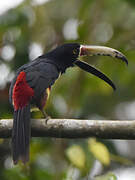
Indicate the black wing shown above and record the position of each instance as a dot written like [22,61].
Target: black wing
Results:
[40,74]
[40,77]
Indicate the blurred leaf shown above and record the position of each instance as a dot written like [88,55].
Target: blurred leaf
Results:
[1,140]
[100,151]
[42,175]
[77,156]
[108,176]
[15,173]
[121,160]
[36,147]
[131,1]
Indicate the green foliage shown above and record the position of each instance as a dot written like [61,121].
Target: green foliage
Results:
[99,151]
[76,156]
[109,176]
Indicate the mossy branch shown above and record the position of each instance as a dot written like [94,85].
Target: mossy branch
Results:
[73,128]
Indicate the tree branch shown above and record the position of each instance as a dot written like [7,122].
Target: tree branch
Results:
[70,128]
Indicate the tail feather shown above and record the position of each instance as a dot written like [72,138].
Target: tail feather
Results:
[21,134]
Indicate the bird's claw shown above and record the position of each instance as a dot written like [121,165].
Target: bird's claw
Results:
[46,119]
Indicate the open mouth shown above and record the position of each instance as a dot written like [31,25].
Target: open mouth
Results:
[88,50]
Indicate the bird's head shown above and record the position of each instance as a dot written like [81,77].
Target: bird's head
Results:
[67,55]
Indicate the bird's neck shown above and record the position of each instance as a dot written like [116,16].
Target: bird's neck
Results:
[62,63]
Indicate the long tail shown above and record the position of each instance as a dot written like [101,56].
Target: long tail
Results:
[21,134]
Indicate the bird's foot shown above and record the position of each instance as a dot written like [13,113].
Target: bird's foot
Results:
[47,118]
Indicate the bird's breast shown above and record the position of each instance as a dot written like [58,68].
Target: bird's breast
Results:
[45,97]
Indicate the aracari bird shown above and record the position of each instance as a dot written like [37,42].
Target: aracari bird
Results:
[33,82]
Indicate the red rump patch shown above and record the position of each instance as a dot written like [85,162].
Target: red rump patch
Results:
[22,92]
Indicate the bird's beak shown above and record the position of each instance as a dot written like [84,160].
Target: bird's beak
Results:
[99,50]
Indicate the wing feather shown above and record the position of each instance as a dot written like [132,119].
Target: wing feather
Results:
[39,75]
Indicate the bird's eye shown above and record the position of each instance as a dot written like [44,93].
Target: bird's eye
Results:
[75,51]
